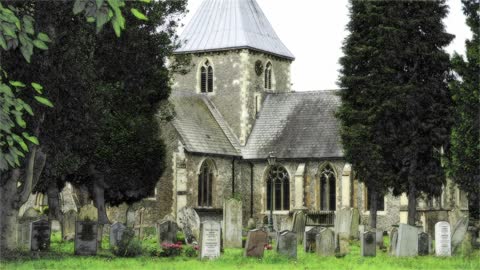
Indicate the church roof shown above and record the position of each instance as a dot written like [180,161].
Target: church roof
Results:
[296,125]
[231,24]
[201,127]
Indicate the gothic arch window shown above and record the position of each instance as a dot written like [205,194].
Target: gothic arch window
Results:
[268,76]
[205,184]
[327,189]
[278,188]
[206,77]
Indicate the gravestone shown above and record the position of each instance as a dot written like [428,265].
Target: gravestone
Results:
[309,241]
[393,240]
[116,232]
[379,239]
[423,244]
[23,235]
[167,232]
[299,225]
[443,244]
[68,225]
[277,234]
[354,224]
[86,238]
[287,244]
[407,243]
[255,245]
[88,213]
[458,232]
[325,243]
[40,235]
[232,223]
[347,222]
[210,239]
[368,244]
[189,222]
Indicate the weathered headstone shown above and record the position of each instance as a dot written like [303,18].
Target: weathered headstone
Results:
[309,241]
[407,243]
[255,245]
[189,222]
[232,223]
[299,225]
[393,241]
[368,245]
[458,232]
[40,233]
[347,222]
[443,242]
[423,244]
[325,243]
[287,244]
[210,239]
[167,232]
[116,232]
[354,224]
[86,238]
[88,213]
[23,235]
[379,239]
[68,225]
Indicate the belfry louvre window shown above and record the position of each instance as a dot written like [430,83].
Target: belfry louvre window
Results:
[327,189]
[278,188]
[205,182]
[206,78]
[268,76]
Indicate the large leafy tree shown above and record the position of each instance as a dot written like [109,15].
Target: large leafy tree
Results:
[464,160]
[399,78]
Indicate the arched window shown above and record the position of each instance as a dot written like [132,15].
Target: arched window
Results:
[268,76]
[327,189]
[206,78]
[205,183]
[278,188]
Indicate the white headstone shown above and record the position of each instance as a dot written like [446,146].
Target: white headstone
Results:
[443,243]
[210,239]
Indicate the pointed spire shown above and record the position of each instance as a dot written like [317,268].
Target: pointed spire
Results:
[231,24]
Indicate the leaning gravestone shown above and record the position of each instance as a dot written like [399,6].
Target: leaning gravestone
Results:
[232,223]
[423,244]
[86,238]
[255,245]
[287,244]
[167,232]
[393,240]
[443,244]
[68,225]
[40,233]
[309,241]
[459,231]
[325,243]
[368,245]
[189,222]
[407,243]
[210,239]
[299,225]
[116,232]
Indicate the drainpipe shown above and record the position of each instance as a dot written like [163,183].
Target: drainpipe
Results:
[233,176]
[251,189]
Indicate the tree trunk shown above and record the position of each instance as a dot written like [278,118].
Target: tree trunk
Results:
[373,208]
[99,192]
[8,212]
[54,209]
[412,203]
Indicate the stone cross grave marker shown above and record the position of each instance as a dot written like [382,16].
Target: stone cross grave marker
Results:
[40,234]
[423,244]
[167,232]
[210,234]
[189,222]
[232,223]
[116,232]
[368,244]
[325,242]
[458,232]
[309,241]
[86,238]
[68,225]
[256,241]
[443,244]
[298,225]
[407,243]
[287,244]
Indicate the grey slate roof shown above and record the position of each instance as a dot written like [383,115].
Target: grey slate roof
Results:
[199,129]
[231,24]
[296,125]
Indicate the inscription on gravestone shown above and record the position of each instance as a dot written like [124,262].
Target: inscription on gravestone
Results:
[86,238]
[40,233]
[443,239]
[210,234]
[256,241]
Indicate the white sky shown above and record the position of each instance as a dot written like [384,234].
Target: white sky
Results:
[314,30]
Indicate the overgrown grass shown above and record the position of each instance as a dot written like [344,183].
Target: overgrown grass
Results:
[61,257]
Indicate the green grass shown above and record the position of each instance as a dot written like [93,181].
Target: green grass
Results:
[61,257]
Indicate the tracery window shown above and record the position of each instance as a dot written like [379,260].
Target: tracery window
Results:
[206,78]
[268,76]
[327,189]
[278,188]
[205,183]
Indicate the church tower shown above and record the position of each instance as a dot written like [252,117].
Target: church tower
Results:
[236,59]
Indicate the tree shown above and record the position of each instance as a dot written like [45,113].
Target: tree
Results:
[464,152]
[399,76]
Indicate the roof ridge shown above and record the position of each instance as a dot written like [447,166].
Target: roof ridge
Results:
[306,92]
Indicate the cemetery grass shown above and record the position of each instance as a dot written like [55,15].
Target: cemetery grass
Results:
[61,256]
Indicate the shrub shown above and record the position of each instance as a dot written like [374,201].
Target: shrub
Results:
[128,245]
[171,250]
[191,251]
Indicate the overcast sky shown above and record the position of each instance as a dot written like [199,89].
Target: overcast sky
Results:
[314,30]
